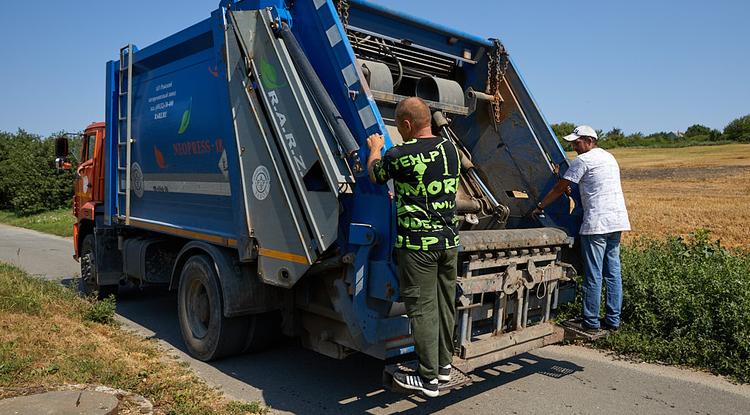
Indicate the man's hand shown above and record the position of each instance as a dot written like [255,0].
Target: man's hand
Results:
[376,142]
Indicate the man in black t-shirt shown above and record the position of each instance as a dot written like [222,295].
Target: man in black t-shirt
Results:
[425,171]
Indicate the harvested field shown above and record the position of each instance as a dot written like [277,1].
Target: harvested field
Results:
[678,190]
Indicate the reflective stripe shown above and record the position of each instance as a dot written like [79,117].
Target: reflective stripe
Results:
[334,37]
[367,117]
[284,256]
[350,75]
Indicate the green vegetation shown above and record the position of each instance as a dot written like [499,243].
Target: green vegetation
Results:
[686,302]
[29,182]
[49,336]
[56,222]
[737,131]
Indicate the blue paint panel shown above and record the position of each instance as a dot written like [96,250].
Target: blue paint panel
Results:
[182,127]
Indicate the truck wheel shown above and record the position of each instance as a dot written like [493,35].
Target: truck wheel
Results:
[88,284]
[207,333]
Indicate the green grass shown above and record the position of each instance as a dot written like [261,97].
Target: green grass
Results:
[685,302]
[49,336]
[56,222]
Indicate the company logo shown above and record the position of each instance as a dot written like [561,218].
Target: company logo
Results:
[268,76]
[261,182]
[136,179]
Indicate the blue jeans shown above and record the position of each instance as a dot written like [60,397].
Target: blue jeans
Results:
[601,255]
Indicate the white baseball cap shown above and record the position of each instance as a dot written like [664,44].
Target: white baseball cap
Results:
[581,131]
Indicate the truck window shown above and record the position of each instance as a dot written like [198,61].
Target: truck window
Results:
[89,142]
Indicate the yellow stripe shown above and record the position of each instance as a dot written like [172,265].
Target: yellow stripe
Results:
[185,233]
[284,256]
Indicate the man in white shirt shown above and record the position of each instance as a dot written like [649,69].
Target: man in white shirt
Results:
[604,219]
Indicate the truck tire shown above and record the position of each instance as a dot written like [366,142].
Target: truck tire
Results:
[88,284]
[208,335]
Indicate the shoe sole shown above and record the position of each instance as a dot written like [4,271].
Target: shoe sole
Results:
[426,392]
[444,378]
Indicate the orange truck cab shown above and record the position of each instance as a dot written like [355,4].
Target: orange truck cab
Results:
[89,184]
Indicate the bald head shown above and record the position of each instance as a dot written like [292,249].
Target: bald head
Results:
[414,110]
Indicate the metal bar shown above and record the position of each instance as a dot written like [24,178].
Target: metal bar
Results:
[519,307]
[463,325]
[413,45]
[525,319]
[489,349]
[129,138]
[498,313]
[551,287]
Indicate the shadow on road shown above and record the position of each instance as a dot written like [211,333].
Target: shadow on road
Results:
[301,381]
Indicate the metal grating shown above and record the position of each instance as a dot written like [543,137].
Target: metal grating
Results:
[416,62]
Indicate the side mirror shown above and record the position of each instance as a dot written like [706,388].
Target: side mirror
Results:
[61,153]
[61,147]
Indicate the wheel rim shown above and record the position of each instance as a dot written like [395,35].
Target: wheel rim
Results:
[199,309]
[87,272]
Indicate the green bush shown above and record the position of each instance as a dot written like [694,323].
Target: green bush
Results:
[102,311]
[738,129]
[29,182]
[686,302]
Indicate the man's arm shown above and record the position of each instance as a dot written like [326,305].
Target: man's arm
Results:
[375,142]
[560,188]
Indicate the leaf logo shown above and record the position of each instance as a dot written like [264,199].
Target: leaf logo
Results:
[268,75]
[186,118]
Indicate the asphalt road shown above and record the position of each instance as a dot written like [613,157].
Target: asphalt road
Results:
[555,379]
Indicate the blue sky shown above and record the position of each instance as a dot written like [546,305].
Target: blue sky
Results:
[638,65]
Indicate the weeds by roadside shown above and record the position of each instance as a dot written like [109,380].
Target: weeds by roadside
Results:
[50,336]
[56,222]
[685,302]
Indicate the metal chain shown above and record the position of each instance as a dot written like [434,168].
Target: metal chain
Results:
[342,8]
[497,66]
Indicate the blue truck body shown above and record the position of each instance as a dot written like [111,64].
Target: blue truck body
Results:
[188,183]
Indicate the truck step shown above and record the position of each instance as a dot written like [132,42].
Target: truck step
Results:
[458,378]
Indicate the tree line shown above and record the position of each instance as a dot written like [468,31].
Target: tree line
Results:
[737,131]
[29,181]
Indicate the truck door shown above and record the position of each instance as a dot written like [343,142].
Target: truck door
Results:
[86,175]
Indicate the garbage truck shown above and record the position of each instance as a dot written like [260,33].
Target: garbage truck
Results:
[231,168]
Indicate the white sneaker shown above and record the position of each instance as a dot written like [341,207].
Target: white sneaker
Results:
[444,373]
[417,383]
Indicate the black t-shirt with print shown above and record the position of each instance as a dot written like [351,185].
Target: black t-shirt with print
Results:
[425,175]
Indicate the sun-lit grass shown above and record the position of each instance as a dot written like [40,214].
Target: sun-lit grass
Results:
[57,222]
[674,191]
[49,337]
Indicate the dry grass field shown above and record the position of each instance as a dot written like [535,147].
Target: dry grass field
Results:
[677,190]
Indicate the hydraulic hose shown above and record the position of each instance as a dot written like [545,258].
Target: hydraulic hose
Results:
[330,112]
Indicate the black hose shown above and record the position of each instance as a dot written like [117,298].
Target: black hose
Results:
[330,112]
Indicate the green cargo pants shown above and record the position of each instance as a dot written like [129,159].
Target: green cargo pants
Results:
[428,288]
